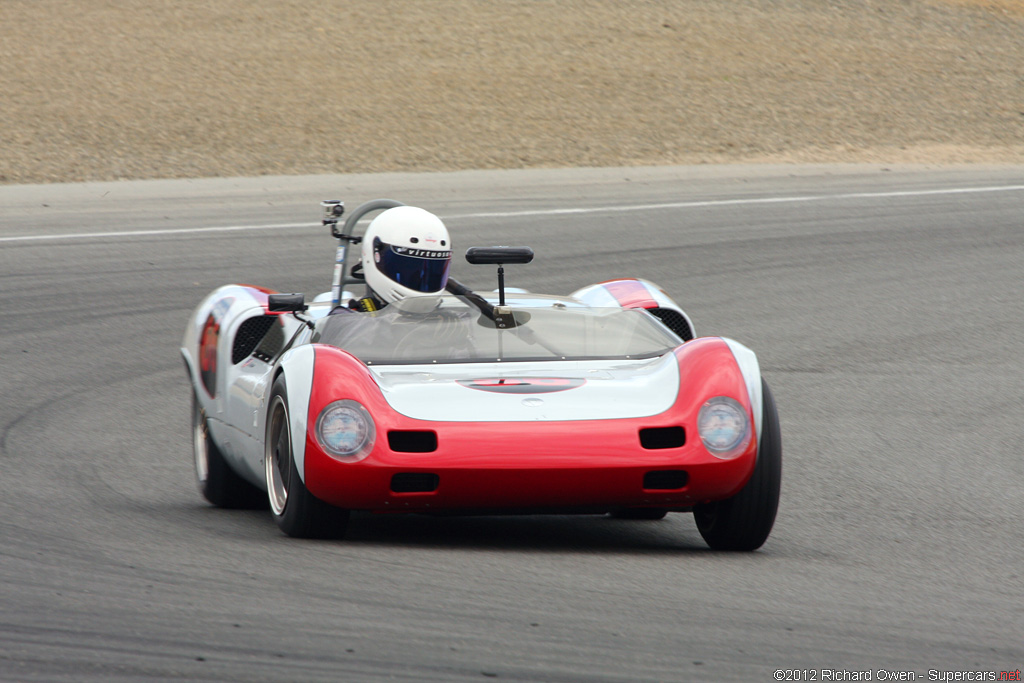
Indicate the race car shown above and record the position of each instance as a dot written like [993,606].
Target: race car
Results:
[505,402]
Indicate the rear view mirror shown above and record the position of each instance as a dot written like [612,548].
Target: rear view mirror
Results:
[286,303]
[499,255]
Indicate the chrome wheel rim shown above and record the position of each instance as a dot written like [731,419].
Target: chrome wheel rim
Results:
[278,455]
[200,447]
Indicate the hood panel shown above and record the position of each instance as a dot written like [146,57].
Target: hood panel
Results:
[589,390]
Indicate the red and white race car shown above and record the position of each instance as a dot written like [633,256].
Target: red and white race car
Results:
[600,402]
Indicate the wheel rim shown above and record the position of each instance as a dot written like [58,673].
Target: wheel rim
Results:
[200,446]
[278,456]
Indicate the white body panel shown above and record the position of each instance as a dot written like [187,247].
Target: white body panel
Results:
[609,389]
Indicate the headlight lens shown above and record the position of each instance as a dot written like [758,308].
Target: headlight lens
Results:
[724,427]
[345,430]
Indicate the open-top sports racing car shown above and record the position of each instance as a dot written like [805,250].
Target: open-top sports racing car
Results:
[600,402]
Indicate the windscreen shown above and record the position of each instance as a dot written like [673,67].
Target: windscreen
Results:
[454,332]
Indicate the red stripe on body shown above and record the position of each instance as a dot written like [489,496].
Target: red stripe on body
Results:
[630,293]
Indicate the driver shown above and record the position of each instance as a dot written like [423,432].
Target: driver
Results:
[406,252]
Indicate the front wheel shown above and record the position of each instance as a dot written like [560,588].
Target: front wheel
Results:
[297,512]
[744,521]
[218,483]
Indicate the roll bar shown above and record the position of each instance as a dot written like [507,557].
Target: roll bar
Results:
[333,210]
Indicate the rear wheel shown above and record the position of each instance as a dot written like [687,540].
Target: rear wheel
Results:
[744,521]
[297,511]
[218,483]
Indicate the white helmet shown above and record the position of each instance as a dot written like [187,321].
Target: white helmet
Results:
[406,252]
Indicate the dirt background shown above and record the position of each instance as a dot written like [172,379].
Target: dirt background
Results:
[109,89]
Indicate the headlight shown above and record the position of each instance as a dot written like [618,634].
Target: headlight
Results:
[724,427]
[345,430]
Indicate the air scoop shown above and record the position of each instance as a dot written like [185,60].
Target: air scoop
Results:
[523,385]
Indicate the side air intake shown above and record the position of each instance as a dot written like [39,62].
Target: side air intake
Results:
[665,480]
[414,482]
[654,438]
[409,441]
[674,321]
[249,335]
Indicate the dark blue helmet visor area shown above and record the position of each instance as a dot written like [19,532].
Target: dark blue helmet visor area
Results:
[421,270]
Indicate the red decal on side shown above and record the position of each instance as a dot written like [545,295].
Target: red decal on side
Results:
[209,337]
[208,353]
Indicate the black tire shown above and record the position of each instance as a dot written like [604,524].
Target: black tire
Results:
[297,512]
[744,521]
[652,514]
[218,483]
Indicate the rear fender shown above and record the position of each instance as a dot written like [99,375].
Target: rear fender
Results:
[636,293]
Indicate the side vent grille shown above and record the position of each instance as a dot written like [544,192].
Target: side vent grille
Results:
[665,480]
[654,438]
[412,441]
[249,335]
[674,321]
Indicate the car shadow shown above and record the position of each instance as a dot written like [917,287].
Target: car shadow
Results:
[602,534]
[554,533]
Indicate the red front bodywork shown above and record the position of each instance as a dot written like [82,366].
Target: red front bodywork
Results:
[580,465]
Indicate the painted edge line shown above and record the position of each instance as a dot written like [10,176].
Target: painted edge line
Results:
[539,212]
[152,233]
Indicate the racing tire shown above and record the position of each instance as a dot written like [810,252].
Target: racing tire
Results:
[744,521]
[218,483]
[650,514]
[298,512]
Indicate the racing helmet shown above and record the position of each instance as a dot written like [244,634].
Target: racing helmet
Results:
[406,252]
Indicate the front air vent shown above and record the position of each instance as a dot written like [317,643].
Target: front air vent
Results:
[415,482]
[675,321]
[654,438]
[408,441]
[249,335]
[665,480]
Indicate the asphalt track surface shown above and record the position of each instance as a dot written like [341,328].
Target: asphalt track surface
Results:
[886,308]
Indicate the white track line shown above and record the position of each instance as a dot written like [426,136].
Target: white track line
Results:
[738,202]
[539,212]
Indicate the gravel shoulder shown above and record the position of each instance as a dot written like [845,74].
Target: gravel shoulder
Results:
[129,89]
